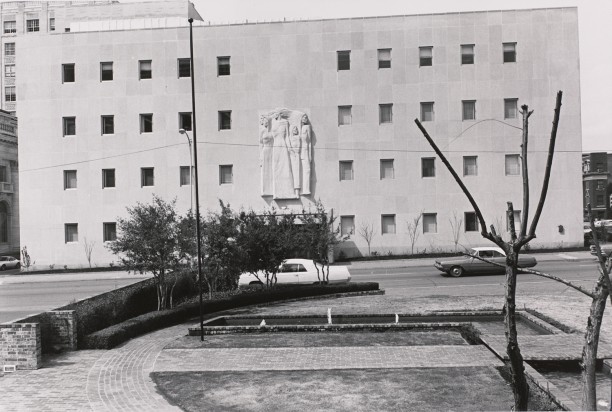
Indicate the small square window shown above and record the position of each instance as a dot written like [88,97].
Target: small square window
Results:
[3,174]
[9,49]
[146,123]
[68,73]
[32,25]
[69,126]
[509,52]
[344,60]
[469,109]
[428,167]
[70,179]
[223,66]
[387,224]
[425,56]
[108,124]
[10,95]
[71,232]
[345,116]
[430,223]
[185,121]
[467,54]
[185,177]
[387,170]
[513,165]
[108,178]
[106,71]
[471,222]
[599,200]
[145,69]
[517,221]
[427,112]
[109,230]
[226,174]
[510,108]
[184,68]
[601,185]
[385,113]
[9,70]
[384,58]
[225,119]
[346,170]
[347,225]
[470,166]
[10,26]
[52,24]
[147,177]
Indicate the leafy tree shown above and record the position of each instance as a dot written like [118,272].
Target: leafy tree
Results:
[148,241]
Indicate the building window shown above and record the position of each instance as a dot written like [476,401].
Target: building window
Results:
[430,223]
[387,224]
[599,167]
[599,200]
[185,120]
[108,124]
[184,68]
[347,225]
[9,70]
[470,166]
[601,185]
[32,25]
[52,24]
[146,123]
[469,109]
[513,165]
[185,177]
[467,54]
[427,112]
[109,230]
[68,73]
[10,26]
[428,167]
[226,174]
[346,170]
[106,71]
[517,221]
[225,120]
[509,52]
[3,174]
[471,222]
[425,56]
[9,49]
[387,170]
[345,116]
[71,232]
[344,60]
[223,66]
[108,178]
[10,95]
[144,69]
[70,179]
[384,58]
[510,108]
[69,126]
[147,177]
[385,113]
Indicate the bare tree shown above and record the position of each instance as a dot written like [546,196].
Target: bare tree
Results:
[513,247]
[88,247]
[455,223]
[413,231]
[26,261]
[366,231]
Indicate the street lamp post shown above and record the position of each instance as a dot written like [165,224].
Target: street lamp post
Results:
[195,161]
[183,131]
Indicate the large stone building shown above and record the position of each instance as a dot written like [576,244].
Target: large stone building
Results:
[100,108]
[9,185]
[596,185]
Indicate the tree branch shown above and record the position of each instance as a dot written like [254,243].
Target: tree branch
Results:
[511,222]
[525,171]
[604,265]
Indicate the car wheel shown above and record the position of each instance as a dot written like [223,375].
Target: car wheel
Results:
[456,271]
[18,265]
[3,267]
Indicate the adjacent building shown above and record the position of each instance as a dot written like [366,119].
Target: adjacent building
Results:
[596,185]
[9,185]
[293,112]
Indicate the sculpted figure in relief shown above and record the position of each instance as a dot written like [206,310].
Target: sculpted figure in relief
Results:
[305,155]
[266,142]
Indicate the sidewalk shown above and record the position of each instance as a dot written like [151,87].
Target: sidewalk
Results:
[25,277]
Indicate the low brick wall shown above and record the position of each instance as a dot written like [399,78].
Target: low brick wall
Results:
[20,345]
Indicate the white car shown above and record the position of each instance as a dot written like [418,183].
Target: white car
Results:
[9,262]
[298,271]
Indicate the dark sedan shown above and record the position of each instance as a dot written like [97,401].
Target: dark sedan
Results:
[457,266]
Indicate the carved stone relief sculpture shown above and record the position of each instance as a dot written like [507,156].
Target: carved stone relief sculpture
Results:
[285,145]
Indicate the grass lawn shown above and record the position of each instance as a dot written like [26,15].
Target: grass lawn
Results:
[470,388]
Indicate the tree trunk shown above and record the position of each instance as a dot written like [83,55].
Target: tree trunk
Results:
[589,350]
[519,380]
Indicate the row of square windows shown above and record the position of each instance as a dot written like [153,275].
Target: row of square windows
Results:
[226,172]
[71,232]
[32,25]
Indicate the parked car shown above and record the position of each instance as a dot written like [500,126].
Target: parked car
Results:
[606,250]
[457,266]
[298,271]
[9,262]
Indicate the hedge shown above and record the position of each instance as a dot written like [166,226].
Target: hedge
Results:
[114,335]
